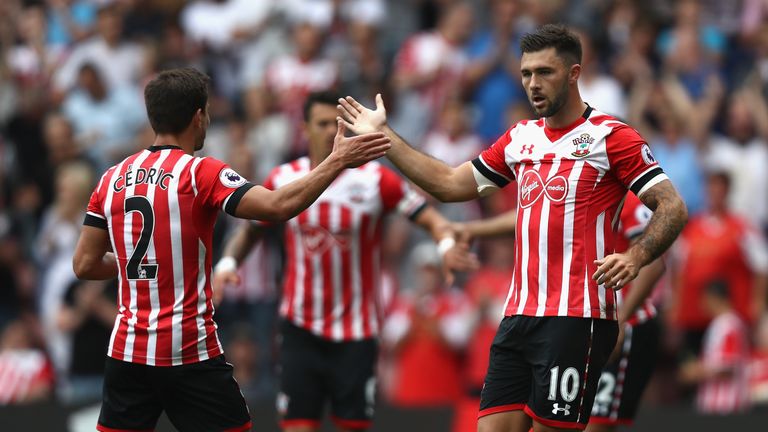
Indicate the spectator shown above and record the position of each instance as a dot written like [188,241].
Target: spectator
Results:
[717,244]
[60,141]
[26,375]
[493,72]
[86,315]
[55,246]
[596,87]
[427,332]
[429,69]
[742,152]
[758,365]
[268,132]
[118,61]
[69,21]
[290,78]
[105,119]
[720,372]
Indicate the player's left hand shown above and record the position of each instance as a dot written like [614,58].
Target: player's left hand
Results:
[616,270]
[619,344]
[362,120]
[459,258]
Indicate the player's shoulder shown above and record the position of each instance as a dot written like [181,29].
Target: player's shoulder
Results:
[289,170]
[617,128]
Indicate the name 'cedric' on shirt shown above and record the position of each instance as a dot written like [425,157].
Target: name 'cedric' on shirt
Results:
[151,176]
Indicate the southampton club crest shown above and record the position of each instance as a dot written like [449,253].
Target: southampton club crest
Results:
[582,144]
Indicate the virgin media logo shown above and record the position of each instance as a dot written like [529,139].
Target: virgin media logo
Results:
[532,187]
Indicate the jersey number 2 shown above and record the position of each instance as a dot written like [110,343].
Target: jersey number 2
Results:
[135,270]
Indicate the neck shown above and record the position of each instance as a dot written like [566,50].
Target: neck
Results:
[570,112]
[316,156]
[185,143]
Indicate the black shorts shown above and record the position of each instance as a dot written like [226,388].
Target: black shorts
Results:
[624,379]
[315,371]
[200,397]
[547,366]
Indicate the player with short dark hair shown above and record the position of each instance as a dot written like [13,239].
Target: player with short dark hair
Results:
[150,224]
[330,312]
[573,166]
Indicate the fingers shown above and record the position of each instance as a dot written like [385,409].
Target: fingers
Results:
[346,111]
[355,104]
[348,107]
[379,102]
[347,124]
[340,128]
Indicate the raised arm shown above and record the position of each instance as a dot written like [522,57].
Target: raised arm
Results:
[446,183]
[293,198]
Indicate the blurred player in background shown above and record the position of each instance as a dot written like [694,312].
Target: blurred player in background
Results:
[150,224]
[329,309]
[573,167]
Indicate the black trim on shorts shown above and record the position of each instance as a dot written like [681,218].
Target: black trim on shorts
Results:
[414,214]
[496,178]
[647,177]
[235,198]
[95,222]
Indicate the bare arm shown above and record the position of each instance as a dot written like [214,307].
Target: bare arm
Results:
[92,259]
[500,225]
[243,241]
[440,180]
[669,218]
[295,197]
[455,256]
[642,287]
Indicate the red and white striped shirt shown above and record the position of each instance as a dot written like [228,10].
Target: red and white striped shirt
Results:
[726,347]
[22,372]
[570,184]
[633,220]
[333,269]
[160,206]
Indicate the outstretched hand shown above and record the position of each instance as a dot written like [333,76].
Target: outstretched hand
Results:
[357,150]
[359,119]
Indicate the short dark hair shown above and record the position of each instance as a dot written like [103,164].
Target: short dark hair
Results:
[718,288]
[173,98]
[321,98]
[557,36]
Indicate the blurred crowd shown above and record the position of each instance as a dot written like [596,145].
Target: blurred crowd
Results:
[690,75]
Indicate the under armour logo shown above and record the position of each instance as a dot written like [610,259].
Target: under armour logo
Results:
[565,410]
[555,188]
[527,148]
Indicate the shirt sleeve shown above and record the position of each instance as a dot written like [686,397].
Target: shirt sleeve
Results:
[94,215]
[634,216]
[631,160]
[490,168]
[219,186]
[397,195]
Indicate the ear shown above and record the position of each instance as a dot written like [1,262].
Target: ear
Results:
[574,73]
[200,117]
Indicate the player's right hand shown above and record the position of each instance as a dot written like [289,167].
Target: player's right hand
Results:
[357,150]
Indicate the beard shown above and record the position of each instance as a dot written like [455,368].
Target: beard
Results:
[555,105]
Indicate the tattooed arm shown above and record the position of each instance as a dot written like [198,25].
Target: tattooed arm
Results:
[669,217]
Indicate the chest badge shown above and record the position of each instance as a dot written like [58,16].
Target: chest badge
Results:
[582,144]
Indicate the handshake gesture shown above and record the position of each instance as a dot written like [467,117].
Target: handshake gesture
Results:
[359,119]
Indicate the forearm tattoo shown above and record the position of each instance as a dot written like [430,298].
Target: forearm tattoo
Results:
[669,218]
